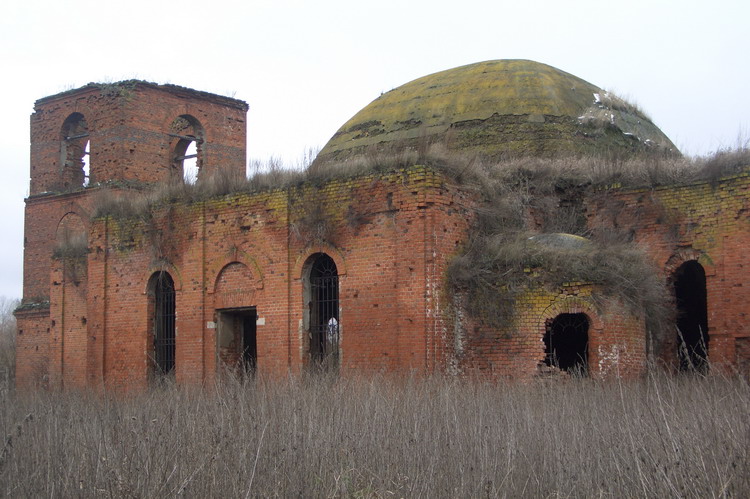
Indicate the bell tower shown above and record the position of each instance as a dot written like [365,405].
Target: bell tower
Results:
[126,134]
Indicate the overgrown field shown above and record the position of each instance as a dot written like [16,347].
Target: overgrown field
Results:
[384,437]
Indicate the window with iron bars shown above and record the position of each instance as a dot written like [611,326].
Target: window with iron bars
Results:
[164,323]
[324,311]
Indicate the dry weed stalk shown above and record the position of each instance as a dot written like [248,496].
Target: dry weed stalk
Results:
[384,436]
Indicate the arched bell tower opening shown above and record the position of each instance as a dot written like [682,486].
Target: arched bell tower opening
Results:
[692,317]
[74,152]
[187,148]
[566,343]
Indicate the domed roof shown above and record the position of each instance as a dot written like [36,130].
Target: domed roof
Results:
[498,108]
[561,240]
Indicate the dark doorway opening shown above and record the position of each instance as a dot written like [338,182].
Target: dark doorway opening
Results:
[237,338]
[324,311]
[566,343]
[692,317]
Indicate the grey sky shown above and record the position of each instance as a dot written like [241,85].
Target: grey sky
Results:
[306,67]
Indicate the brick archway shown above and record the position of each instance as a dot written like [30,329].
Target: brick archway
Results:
[684,255]
[235,286]
[331,251]
[217,267]
[162,267]
[571,306]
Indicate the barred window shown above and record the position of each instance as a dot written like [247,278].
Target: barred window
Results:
[163,323]
[323,307]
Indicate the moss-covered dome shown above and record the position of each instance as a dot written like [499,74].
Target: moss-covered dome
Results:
[498,109]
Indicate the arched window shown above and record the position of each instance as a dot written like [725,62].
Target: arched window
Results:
[74,152]
[71,238]
[322,310]
[187,148]
[692,316]
[566,343]
[162,310]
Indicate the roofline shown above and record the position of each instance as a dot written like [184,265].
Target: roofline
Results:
[166,87]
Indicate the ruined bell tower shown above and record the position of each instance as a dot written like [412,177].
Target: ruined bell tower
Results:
[131,134]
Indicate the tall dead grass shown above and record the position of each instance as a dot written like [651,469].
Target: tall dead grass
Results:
[131,201]
[381,437]
[7,338]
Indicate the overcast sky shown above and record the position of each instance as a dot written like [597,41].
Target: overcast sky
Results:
[306,67]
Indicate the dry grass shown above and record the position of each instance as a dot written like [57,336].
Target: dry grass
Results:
[658,437]
[7,339]
[129,201]
[496,267]
[139,202]
[71,245]
[524,197]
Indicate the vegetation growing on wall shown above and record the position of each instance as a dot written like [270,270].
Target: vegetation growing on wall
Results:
[71,245]
[505,256]
[522,198]
[518,198]
[137,201]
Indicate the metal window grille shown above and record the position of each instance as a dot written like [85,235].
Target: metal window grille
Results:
[324,310]
[164,319]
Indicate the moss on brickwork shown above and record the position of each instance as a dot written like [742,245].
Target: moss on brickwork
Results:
[498,109]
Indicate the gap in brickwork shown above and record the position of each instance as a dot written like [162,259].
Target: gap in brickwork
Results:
[190,163]
[86,163]
[566,343]
[692,317]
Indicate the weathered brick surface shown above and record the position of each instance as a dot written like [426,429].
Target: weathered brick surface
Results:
[129,126]
[32,347]
[246,251]
[616,339]
[706,222]
[391,236]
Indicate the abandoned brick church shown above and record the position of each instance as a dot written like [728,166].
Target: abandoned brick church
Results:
[402,267]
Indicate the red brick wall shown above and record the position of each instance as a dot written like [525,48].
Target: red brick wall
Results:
[706,222]
[616,338]
[68,326]
[391,236]
[32,347]
[245,250]
[129,126]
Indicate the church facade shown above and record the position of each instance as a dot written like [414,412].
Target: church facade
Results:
[342,273]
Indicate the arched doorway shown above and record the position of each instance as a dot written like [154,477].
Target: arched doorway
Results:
[692,316]
[566,343]
[322,299]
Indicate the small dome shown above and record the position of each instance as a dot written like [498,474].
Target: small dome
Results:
[498,109]
[561,240]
